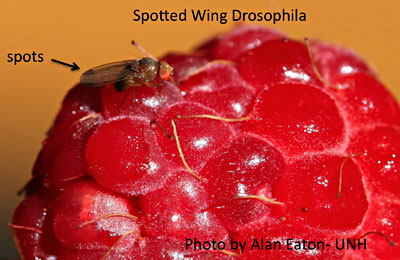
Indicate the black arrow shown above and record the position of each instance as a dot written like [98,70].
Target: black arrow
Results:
[73,66]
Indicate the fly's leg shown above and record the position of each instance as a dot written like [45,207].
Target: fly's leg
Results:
[173,81]
[123,100]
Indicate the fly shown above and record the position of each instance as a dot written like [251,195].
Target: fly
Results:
[129,73]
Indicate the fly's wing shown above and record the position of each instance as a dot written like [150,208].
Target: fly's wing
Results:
[108,73]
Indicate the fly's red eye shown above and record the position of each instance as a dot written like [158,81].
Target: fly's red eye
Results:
[165,74]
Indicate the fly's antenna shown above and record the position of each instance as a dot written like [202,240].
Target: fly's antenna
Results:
[143,50]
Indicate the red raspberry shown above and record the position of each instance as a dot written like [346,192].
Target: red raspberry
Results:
[262,137]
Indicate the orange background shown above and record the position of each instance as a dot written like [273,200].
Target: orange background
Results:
[92,33]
